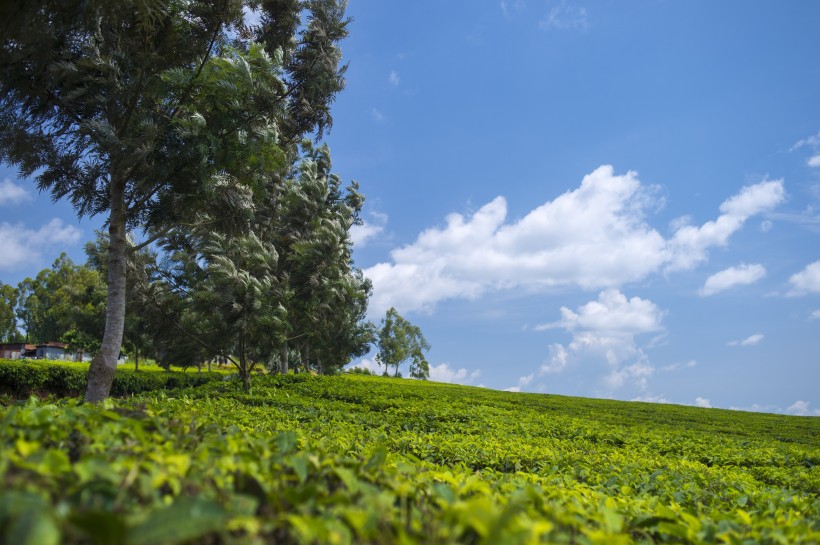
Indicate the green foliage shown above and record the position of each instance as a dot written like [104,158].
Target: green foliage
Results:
[65,298]
[399,340]
[358,459]
[8,319]
[22,378]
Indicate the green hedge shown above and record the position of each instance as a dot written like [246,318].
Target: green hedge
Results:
[22,378]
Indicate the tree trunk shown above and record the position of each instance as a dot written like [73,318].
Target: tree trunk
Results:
[136,360]
[104,364]
[283,364]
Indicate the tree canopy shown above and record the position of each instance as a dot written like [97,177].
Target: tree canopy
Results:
[145,111]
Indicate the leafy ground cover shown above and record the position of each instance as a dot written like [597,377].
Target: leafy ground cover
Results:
[358,459]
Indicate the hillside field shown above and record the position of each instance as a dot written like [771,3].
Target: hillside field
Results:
[361,459]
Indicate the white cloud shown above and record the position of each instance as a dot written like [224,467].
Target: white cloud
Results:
[443,373]
[368,364]
[651,399]
[522,383]
[612,314]
[605,331]
[566,17]
[751,340]
[814,161]
[377,115]
[815,315]
[798,408]
[703,402]
[733,276]
[807,280]
[680,365]
[801,408]
[509,7]
[362,234]
[20,246]
[394,78]
[688,247]
[11,193]
[765,226]
[592,237]
[811,141]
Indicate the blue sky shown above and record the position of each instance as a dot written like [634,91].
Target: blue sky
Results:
[580,198]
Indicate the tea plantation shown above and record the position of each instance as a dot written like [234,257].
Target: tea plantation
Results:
[359,459]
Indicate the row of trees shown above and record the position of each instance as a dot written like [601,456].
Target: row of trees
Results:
[172,120]
[185,124]
[184,311]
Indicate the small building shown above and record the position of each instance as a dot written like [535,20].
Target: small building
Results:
[13,351]
[52,351]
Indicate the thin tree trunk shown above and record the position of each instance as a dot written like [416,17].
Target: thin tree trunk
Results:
[103,366]
[136,359]
[306,361]
[283,364]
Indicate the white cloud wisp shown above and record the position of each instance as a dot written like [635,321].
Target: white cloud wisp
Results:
[733,276]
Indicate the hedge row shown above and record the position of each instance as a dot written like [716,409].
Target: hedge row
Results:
[23,378]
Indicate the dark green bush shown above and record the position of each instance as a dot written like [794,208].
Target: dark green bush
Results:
[23,378]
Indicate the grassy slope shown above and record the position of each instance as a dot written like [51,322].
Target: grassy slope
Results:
[367,459]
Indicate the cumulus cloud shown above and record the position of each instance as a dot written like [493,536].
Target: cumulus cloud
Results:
[801,408]
[751,340]
[523,382]
[806,281]
[815,315]
[394,78]
[593,237]
[733,276]
[11,193]
[689,245]
[605,331]
[362,234]
[703,402]
[444,373]
[814,161]
[21,246]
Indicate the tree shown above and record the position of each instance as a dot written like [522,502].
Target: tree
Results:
[398,340]
[97,98]
[8,319]
[63,298]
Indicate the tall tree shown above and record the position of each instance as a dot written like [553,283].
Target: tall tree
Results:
[8,319]
[97,98]
[66,297]
[398,340]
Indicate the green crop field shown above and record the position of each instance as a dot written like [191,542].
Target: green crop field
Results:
[359,459]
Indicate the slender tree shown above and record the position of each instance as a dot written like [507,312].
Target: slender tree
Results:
[97,97]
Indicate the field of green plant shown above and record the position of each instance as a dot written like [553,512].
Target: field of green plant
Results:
[359,459]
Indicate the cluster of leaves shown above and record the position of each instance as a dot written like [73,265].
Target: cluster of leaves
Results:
[359,459]
[22,379]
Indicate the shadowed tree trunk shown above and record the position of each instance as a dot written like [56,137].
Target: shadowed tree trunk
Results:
[283,364]
[103,366]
